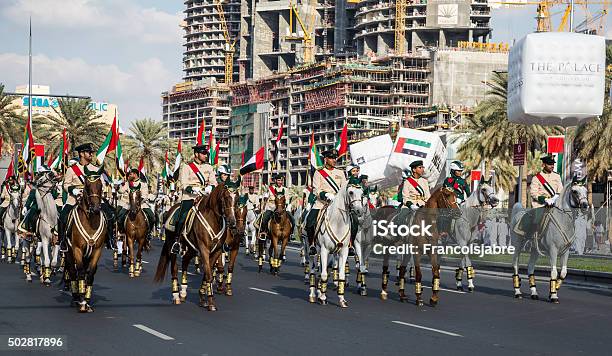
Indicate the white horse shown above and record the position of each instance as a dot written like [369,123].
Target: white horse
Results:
[555,239]
[47,225]
[363,247]
[10,223]
[250,232]
[333,236]
[465,229]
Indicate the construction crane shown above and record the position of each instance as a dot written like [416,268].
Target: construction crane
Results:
[543,17]
[230,46]
[400,27]
[307,38]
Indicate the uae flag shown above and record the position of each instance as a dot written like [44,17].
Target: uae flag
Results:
[39,157]
[256,163]
[555,146]
[275,153]
[342,144]
[213,149]
[112,143]
[412,147]
[177,160]
[28,147]
[315,158]
[166,170]
[200,134]
[142,170]
[60,160]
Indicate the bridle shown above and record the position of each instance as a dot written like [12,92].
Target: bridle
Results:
[87,194]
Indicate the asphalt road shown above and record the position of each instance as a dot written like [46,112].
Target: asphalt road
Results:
[270,315]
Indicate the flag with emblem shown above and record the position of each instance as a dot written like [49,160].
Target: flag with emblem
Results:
[255,163]
[200,134]
[342,144]
[179,157]
[62,156]
[275,152]
[39,157]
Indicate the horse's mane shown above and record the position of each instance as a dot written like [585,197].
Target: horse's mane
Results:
[432,202]
[211,201]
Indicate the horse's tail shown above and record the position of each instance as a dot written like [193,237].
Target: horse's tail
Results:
[516,209]
[164,259]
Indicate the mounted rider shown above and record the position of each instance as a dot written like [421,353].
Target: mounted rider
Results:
[252,199]
[325,183]
[132,185]
[195,179]
[275,191]
[353,174]
[74,182]
[28,224]
[413,192]
[544,192]
[457,183]
[9,185]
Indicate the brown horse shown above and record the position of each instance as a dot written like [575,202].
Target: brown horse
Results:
[279,230]
[213,214]
[136,229]
[443,201]
[86,240]
[232,240]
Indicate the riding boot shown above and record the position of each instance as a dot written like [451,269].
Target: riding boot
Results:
[311,222]
[354,230]
[63,226]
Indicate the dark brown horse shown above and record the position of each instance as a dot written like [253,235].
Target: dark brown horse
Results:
[232,240]
[86,240]
[443,201]
[136,229]
[279,230]
[214,214]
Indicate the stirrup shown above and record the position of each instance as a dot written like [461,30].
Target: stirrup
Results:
[312,251]
[176,248]
[351,251]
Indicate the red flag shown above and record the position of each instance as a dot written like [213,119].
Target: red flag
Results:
[10,171]
[113,143]
[242,159]
[200,136]
[555,144]
[1,143]
[342,145]
[475,175]
[217,153]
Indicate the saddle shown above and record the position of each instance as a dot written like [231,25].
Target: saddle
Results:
[173,216]
[539,227]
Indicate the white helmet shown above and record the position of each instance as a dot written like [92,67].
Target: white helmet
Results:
[349,168]
[224,169]
[456,166]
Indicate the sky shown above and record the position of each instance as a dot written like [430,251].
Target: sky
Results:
[127,52]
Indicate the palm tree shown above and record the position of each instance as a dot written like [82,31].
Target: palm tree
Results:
[80,120]
[148,139]
[488,135]
[11,121]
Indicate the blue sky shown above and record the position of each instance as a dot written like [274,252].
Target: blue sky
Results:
[127,52]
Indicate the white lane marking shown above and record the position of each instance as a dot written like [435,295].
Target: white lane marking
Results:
[143,261]
[426,328]
[153,332]
[263,290]
[448,290]
[191,274]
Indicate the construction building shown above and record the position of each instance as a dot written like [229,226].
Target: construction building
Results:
[426,23]
[320,99]
[187,105]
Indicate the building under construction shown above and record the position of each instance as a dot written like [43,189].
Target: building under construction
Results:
[320,99]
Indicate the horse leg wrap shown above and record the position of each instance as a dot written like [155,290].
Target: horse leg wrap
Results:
[228,279]
[47,272]
[363,280]
[559,282]
[553,286]
[74,288]
[26,269]
[532,281]
[184,277]
[175,287]
[81,286]
[323,286]
[88,290]
[346,268]
[470,272]
[62,261]
[418,288]
[3,251]
[137,268]
[311,280]
[260,260]
[306,269]
[458,274]
[435,286]
[516,281]
[402,282]
[203,289]
[37,259]
[209,289]
[341,284]
[335,274]
[385,280]
[412,276]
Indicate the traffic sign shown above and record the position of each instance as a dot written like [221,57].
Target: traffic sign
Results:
[518,156]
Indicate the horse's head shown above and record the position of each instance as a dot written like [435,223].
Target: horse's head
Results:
[15,197]
[447,200]
[579,195]
[486,194]
[354,199]
[135,202]
[228,196]
[280,203]
[92,191]
[241,214]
